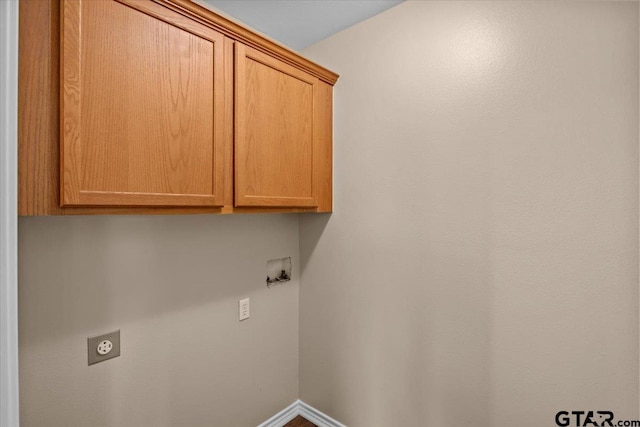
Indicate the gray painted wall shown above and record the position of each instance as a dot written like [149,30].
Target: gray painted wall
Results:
[481,266]
[172,285]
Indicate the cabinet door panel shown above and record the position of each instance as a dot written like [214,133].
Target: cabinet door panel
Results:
[274,124]
[142,106]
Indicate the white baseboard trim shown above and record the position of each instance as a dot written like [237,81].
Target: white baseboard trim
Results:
[300,408]
[283,417]
[318,418]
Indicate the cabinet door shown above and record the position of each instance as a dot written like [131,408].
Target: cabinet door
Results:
[274,132]
[142,96]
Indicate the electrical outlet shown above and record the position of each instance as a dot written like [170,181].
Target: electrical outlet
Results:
[103,347]
[243,311]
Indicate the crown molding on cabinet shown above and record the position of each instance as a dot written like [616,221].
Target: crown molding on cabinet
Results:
[42,138]
[249,38]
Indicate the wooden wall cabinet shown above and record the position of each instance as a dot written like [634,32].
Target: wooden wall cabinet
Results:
[277,132]
[142,107]
[161,106]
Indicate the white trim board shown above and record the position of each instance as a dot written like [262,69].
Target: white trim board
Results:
[300,408]
[9,407]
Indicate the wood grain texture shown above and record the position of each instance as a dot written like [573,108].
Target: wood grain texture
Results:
[250,38]
[39,124]
[38,130]
[323,147]
[274,132]
[228,120]
[142,107]
[70,154]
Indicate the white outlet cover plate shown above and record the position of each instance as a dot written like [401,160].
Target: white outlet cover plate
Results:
[243,309]
[103,347]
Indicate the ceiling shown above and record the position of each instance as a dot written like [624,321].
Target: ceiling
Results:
[300,23]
